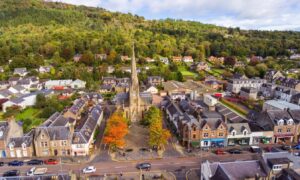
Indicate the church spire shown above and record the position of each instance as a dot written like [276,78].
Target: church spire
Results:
[134,93]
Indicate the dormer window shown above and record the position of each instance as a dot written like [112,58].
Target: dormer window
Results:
[24,146]
[233,133]
[245,132]
[281,122]
[290,122]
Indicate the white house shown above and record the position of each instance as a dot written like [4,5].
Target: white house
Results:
[164,60]
[25,100]
[188,59]
[44,69]
[53,84]
[20,71]
[18,89]
[238,134]
[152,90]
[78,84]
[83,138]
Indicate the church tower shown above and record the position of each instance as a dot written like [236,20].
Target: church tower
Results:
[134,92]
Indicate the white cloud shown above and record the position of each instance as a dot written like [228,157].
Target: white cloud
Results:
[248,14]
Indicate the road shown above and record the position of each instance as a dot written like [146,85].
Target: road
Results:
[168,164]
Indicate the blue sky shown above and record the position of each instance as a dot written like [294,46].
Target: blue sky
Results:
[247,14]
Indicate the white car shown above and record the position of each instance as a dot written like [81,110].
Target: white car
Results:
[89,169]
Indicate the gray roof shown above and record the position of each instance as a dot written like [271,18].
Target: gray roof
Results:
[20,70]
[84,134]
[238,170]
[6,93]
[54,132]
[18,141]
[212,123]
[78,104]
[238,127]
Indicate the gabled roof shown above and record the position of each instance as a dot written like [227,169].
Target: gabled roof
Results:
[238,127]
[54,132]
[18,142]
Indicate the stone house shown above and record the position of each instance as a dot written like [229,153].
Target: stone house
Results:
[53,141]
[155,80]
[238,134]
[76,109]
[248,93]
[21,146]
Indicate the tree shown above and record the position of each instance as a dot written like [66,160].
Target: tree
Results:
[230,61]
[87,58]
[116,130]
[158,136]
[150,116]
[251,71]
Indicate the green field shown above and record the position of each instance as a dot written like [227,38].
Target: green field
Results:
[185,72]
[30,118]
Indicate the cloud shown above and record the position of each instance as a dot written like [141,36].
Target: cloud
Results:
[251,14]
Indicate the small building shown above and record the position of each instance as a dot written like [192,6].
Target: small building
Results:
[101,56]
[200,66]
[234,170]
[20,71]
[238,134]
[216,60]
[235,85]
[187,59]
[78,84]
[279,105]
[152,90]
[164,60]
[176,59]
[110,69]
[155,80]
[149,60]
[77,57]
[44,69]
[248,93]
[20,147]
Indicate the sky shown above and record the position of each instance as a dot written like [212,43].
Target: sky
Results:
[246,14]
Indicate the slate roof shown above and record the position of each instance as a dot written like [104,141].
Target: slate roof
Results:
[295,114]
[84,134]
[78,104]
[212,123]
[6,93]
[238,127]
[54,132]
[18,141]
[238,170]
[20,70]
[288,174]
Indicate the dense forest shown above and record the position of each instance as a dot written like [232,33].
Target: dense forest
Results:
[34,30]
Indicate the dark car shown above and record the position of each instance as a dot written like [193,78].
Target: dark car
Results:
[255,149]
[286,147]
[235,151]
[146,166]
[1,163]
[16,163]
[35,162]
[11,173]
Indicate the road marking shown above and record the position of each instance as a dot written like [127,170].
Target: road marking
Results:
[118,167]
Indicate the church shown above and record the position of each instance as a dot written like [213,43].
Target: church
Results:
[133,103]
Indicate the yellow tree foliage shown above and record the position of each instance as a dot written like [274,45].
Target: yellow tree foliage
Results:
[115,131]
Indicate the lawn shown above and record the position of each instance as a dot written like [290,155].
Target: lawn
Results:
[30,118]
[185,72]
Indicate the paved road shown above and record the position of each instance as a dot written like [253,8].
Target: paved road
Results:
[168,164]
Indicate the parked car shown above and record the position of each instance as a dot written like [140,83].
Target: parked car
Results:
[11,173]
[297,146]
[296,154]
[16,163]
[51,162]
[255,149]
[89,169]
[146,166]
[235,151]
[220,152]
[286,147]
[35,162]
[1,163]
[37,171]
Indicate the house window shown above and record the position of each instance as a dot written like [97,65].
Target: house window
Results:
[279,130]
[277,167]
[233,133]
[245,133]
[64,143]
[205,135]
[288,130]
[221,134]
[194,136]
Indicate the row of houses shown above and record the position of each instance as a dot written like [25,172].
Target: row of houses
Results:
[70,133]
[207,123]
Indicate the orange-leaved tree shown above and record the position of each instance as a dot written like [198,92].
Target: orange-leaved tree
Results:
[116,130]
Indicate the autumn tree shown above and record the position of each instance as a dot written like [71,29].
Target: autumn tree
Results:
[158,135]
[116,130]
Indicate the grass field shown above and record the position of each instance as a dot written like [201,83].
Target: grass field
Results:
[30,118]
[185,72]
